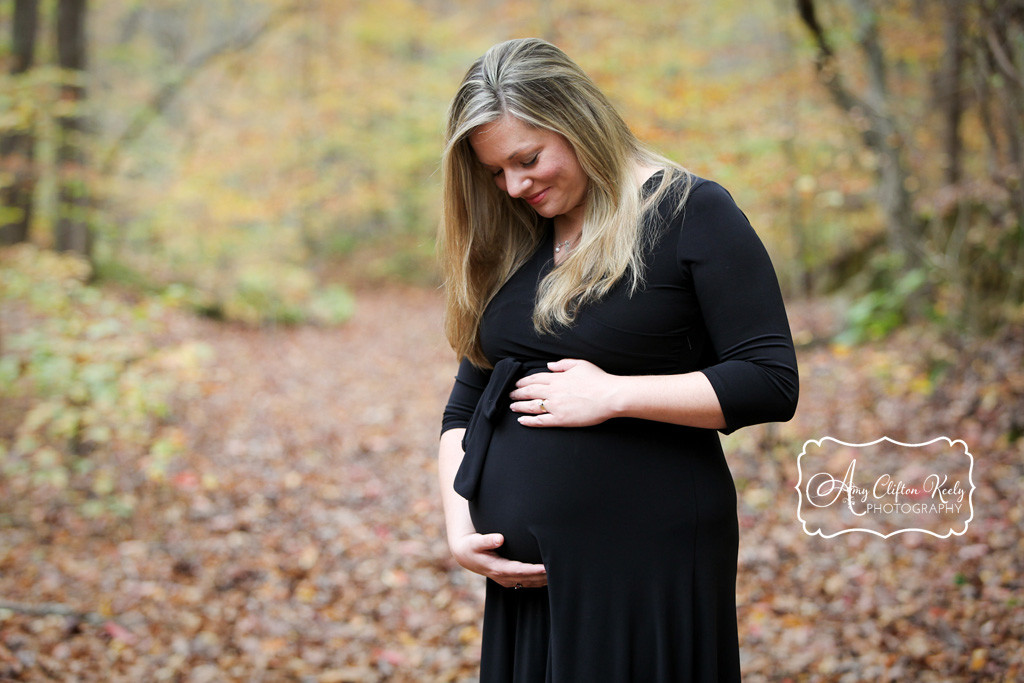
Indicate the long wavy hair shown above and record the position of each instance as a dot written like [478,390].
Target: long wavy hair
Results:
[485,235]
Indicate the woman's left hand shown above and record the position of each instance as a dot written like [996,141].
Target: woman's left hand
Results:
[575,393]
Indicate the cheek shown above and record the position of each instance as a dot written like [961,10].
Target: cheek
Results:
[563,167]
[546,172]
[499,180]
[576,174]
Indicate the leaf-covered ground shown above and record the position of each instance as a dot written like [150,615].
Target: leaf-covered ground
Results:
[299,536]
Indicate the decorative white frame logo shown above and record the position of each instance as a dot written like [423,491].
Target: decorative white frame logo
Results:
[940,488]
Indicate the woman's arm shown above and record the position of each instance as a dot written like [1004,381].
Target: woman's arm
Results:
[577,393]
[754,377]
[476,552]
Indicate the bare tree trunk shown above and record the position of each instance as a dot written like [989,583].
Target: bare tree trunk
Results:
[72,229]
[17,148]
[903,227]
[1002,28]
[950,98]
[1001,47]
[879,130]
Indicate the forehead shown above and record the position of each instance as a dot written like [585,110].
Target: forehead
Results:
[501,140]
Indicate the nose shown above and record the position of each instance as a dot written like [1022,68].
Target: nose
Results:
[516,184]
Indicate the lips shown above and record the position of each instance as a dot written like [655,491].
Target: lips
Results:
[535,199]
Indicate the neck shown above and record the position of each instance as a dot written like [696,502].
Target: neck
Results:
[564,244]
[644,172]
[568,225]
[567,232]
[565,229]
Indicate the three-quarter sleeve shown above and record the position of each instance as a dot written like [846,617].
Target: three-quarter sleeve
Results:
[470,382]
[754,371]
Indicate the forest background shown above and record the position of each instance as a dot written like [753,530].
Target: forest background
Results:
[218,224]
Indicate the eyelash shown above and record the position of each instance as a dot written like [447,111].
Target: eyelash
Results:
[525,164]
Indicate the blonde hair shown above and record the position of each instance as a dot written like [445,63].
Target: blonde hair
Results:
[485,235]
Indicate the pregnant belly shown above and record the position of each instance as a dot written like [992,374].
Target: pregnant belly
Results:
[545,486]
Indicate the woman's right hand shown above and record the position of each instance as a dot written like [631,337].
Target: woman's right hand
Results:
[476,552]
[472,550]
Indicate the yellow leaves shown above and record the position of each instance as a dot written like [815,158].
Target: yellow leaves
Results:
[308,557]
[48,469]
[305,592]
[104,482]
[271,291]
[758,498]
[163,451]
[469,635]
[46,278]
[349,674]
[841,350]
[209,481]
[806,185]
[376,26]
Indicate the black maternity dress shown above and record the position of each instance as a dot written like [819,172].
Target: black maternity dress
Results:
[634,520]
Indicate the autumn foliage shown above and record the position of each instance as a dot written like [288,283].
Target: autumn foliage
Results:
[218,426]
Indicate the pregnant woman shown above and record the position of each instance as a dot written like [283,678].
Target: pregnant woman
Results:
[612,312]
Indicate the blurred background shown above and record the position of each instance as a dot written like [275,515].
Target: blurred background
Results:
[221,358]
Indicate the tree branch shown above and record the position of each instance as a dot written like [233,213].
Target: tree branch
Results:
[809,15]
[25,25]
[825,62]
[1001,58]
[53,608]
[163,97]
[870,113]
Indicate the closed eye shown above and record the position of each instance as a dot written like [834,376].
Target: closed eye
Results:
[525,164]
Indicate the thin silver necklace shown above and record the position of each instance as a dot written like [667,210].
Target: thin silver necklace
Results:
[567,245]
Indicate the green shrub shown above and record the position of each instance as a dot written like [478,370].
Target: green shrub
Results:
[882,309]
[88,385]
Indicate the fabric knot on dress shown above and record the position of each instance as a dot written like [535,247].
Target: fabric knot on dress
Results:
[477,439]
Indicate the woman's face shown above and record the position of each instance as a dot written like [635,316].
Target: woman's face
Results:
[534,164]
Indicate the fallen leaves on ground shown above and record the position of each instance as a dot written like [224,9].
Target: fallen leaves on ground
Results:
[300,538]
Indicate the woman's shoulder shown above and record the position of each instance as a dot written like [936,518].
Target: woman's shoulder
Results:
[705,191]
[706,198]
[712,222]
[685,186]
[687,194]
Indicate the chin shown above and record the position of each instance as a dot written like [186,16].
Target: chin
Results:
[546,211]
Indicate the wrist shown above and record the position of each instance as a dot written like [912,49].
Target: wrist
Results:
[457,534]
[618,401]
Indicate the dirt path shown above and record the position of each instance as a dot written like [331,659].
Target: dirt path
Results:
[322,443]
